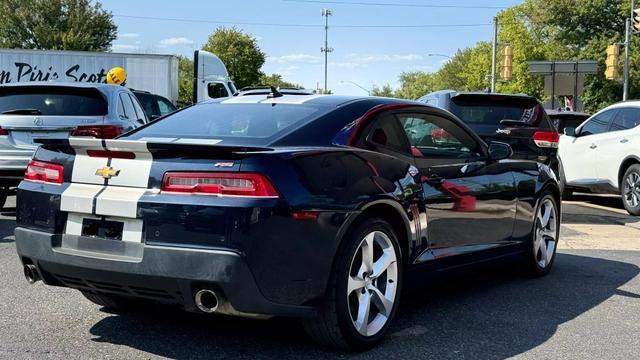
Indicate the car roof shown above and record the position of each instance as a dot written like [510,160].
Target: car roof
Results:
[321,100]
[104,88]
[553,112]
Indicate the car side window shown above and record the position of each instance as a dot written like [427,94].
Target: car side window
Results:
[217,90]
[386,133]
[164,106]
[598,124]
[627,118]
[436,137]
[129,111]
[141,115]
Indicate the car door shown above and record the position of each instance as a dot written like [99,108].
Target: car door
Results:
[615,145]
[579,155]
[470,202]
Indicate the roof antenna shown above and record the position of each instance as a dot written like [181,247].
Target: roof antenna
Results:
[274,93]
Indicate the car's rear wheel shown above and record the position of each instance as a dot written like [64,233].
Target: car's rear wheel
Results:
[112,302]
[630,189]
[567,193]
[364,291]
[545,236]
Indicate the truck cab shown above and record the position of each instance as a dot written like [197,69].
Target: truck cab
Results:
[211,78]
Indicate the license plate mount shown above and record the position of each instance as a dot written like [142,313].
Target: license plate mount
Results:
[102,228]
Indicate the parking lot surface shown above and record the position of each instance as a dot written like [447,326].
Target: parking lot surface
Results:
[587,308]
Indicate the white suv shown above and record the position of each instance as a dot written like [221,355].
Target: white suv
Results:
[603,154]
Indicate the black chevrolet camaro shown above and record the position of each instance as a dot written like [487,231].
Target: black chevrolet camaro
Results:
[318,207]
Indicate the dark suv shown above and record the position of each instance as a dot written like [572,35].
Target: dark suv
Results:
[517,120]
[154,105]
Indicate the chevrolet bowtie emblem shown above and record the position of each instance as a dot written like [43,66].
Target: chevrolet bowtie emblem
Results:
[107,172]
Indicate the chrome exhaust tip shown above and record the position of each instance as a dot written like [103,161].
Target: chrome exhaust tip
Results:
[31,273]
[207,301]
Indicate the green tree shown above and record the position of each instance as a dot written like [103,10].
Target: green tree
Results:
[240,54]
[385,91]
[56,25]
[277,81]
[185,81]
[414,85]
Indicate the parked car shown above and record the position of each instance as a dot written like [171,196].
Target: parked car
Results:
[517,120]
[563,119]
[32,111]
[154,105]
[603,154]
[319,207]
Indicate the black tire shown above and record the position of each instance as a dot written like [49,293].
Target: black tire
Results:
[113,302]
[4,193]
[333,327]
[633,170]
[532,254]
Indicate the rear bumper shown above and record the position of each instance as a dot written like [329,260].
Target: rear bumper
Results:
[166,274]
[12,167]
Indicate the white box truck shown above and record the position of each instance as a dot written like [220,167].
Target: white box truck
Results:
[157,74]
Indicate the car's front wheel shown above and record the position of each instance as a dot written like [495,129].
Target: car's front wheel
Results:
[630,189]
[545,235]
[364,291]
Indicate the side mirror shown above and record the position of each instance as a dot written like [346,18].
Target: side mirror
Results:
[499,151]
[570,131]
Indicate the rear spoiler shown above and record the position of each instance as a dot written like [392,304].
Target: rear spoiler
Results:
[174,146]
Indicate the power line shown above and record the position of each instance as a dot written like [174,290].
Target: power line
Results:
[364,26]
[397,5]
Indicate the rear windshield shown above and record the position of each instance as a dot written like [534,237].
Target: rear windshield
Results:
[487,110]
[237,123]
[52,100]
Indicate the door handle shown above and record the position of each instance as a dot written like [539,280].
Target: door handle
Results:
[593,146]
[624,141]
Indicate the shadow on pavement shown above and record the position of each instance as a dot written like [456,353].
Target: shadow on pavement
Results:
[581,213]
[7,227]
[490,314]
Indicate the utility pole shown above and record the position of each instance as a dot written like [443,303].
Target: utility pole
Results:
[494,54]
[627,45]
[326,49]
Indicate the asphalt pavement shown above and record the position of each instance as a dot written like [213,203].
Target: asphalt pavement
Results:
[587,308]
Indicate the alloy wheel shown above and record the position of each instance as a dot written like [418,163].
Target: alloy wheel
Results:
[632,190]
[546,234]
[372,283]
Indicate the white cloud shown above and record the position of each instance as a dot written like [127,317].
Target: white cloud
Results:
[295,58]
[128,35]
[179,40]
[123,48]
[346,64]
[372,58]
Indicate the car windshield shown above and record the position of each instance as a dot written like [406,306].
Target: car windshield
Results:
[489,110]
[52,100]
[233,122]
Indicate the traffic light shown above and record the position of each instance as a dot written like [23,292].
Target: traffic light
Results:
[506,71]
[635,22]
[613,55]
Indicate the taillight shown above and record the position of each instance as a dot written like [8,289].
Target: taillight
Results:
[41,171]
[3,132]
[546,139]
[219,183]
[98,131]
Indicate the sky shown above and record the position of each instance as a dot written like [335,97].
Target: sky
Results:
[373,41]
